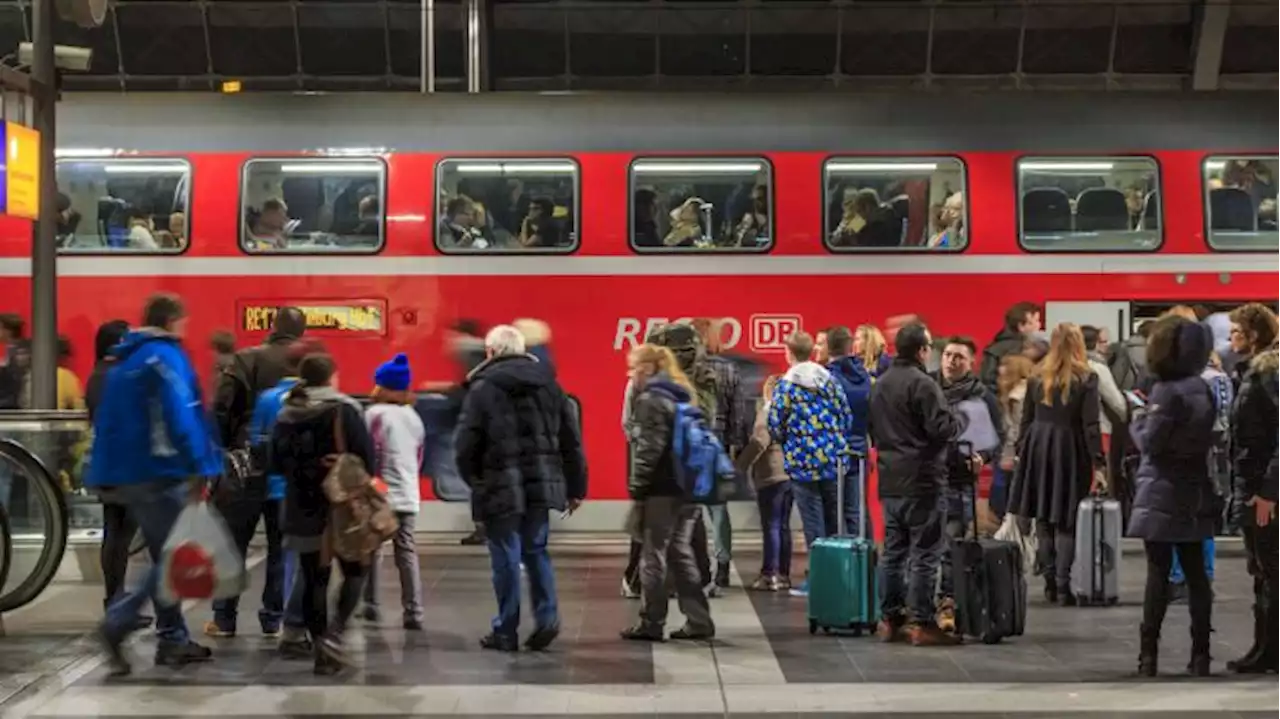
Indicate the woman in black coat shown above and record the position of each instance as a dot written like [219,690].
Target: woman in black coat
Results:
[1059,451]
[1175,502]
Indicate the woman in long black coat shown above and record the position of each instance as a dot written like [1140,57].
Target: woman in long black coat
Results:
[1175,503]
[1059,449]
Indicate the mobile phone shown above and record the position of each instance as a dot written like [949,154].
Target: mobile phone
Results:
[1135,399]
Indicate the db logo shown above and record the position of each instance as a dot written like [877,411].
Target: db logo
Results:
[769,333]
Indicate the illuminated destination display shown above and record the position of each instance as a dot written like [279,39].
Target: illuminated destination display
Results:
[361,316]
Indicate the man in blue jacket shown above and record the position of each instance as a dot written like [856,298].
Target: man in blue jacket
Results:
[853,378]
[152,449]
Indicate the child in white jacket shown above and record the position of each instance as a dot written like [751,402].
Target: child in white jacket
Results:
[398,439]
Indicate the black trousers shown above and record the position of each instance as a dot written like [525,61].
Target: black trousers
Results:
[1261,546]
[117,534]
[1155,602]
[315,594]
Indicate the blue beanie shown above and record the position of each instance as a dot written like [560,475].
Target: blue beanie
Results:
[393,375]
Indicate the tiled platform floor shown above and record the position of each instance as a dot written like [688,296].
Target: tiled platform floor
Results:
[1075,662]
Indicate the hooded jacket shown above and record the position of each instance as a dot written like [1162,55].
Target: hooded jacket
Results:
[253,371]
[302,438]
[517,443]
[855,381]
[1254,431]
[265,412]
[1006,342]
[910,428]
[653,416]
[810,417]
[150,423]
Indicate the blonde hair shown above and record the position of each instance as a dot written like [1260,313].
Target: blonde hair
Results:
[1066,362]
[873,345]
[382,395]
[800,345]
[661,359]
[1182,311]
[1017,368]
[535,332]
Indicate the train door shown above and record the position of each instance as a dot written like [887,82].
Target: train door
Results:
[1115,317]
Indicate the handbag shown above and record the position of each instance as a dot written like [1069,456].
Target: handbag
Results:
[360,518]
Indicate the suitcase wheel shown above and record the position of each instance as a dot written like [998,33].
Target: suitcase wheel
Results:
[857,631]
[826,630]
[813,626]
[990,638]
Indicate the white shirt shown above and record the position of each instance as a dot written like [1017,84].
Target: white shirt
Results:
[1109,396]
[398,439]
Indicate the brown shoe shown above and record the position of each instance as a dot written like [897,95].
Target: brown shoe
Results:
[889,631]
[929,635]
[946,617]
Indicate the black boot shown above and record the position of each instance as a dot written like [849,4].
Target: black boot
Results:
[1148,652]
[1199,666]
[476,538]
[1050,590]
[1246,663]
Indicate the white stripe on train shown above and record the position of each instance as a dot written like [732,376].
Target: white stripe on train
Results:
[666,265]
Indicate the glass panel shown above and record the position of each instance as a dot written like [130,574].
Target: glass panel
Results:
[1096,203]
[123,205]
[1240,202]
[507,205]
[900,203]
[308,205]
[704,204]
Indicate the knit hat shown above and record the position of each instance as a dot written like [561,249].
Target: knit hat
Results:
[393,375]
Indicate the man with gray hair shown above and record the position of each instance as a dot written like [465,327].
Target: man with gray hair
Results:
[518,447]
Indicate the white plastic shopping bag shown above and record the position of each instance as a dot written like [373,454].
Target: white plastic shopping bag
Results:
[1009,531]
[199,559]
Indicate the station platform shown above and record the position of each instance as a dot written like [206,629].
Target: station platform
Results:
[1071,663]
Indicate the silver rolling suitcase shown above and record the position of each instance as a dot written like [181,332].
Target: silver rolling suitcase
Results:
[1095,573]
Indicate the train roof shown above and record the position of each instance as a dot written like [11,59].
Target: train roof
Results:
[933,122]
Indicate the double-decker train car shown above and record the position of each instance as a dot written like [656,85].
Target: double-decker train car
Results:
[389,218]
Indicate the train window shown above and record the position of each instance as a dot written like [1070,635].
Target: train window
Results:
[313,205]
[1240,202]
[707,204]
[876,203]
[1081,204]
[123,205]
[490,205]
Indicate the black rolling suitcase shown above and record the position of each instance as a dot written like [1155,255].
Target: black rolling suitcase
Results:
[990,586]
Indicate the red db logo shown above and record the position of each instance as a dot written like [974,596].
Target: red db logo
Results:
[769,333]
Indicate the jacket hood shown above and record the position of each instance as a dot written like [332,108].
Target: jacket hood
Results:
[108,336]
[139,338]
[1189,354]
[513,373]
[808,374]
[1266,362]
[850,369]
[1004,338]
[663,383]
[303,403]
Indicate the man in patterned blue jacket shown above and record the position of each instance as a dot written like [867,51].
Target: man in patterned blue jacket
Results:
[152,449]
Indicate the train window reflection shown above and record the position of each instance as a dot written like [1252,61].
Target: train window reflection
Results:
[1095,203]
[876,203]
[312,205]
[1240,202]
[490,205]
[132,205]
[702,204]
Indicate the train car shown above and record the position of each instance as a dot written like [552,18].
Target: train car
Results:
[389,218]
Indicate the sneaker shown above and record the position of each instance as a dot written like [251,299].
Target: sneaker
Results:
[117,664]
[218,631]
[642,633]
[179,654]
[801,589]
[499,642]
[929,635]
[542,637]
[712,591]
[888,631]
[413,625]
[722,575]
[271,631]
[689,634]
[1067,599]
[946,617]
[629,590]
[784,584]
[764,583]
[326,667]
[144,621]
[296,648]
[370,613]
[332,648]
[475,539]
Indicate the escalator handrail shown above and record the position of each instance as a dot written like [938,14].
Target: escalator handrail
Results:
[38,415]
[54,502]
[6,546]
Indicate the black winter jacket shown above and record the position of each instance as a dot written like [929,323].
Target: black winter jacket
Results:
[301,440]
[253,371]
[517,443]
[1006,342]
[1254,430]
[653,416]
[911,426]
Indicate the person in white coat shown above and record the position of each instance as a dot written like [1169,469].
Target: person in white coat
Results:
[1110,398]
[398,439]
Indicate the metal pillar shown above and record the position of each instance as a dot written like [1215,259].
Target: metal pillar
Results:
[1210,33]
[44,252]
[428,47]
[477,45]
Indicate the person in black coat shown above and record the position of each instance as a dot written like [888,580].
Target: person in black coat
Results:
[252,371]
[304,437]
[1059,455]
[1254,475]
[518,447]
[1175,503]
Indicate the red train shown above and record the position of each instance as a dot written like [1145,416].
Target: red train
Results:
[603,214]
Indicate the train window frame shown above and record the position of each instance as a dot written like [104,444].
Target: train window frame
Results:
[437,210]
[141,160]
[1204,198]
[824,175]
[1018,162]
[383,183]
[765,163]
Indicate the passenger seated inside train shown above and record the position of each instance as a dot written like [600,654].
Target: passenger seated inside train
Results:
[458,226]
[141,228]
[947,229]
[866,222]
[754,225]
[540,228]
[268,227]
[693,210]
[644,209]
[1242,196]
[1090,203]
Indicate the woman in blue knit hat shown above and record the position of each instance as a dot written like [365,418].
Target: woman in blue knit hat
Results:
[398,438]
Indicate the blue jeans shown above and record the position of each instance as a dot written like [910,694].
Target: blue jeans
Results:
[722,532]
[909,564]
[853,504]
[155,506]
[242,519]
[511,541]
[1175,573]
[817,504]
[957,508]
[999,499]
[293,588]
[439,417]
[775,503]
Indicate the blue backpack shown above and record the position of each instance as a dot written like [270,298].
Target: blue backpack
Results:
[702,465]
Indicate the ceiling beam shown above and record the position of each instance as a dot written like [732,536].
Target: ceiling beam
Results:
[1211,30]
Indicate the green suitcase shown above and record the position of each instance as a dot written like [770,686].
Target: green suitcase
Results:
[843,591]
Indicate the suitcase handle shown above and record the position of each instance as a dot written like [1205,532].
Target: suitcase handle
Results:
[841,470]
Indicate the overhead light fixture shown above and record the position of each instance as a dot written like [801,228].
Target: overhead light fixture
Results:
[85,152]
[882,166]
[331,168]
[140,168]
[1215,165]
[513,168]
[696,168]
[1067,166]
[353,151]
